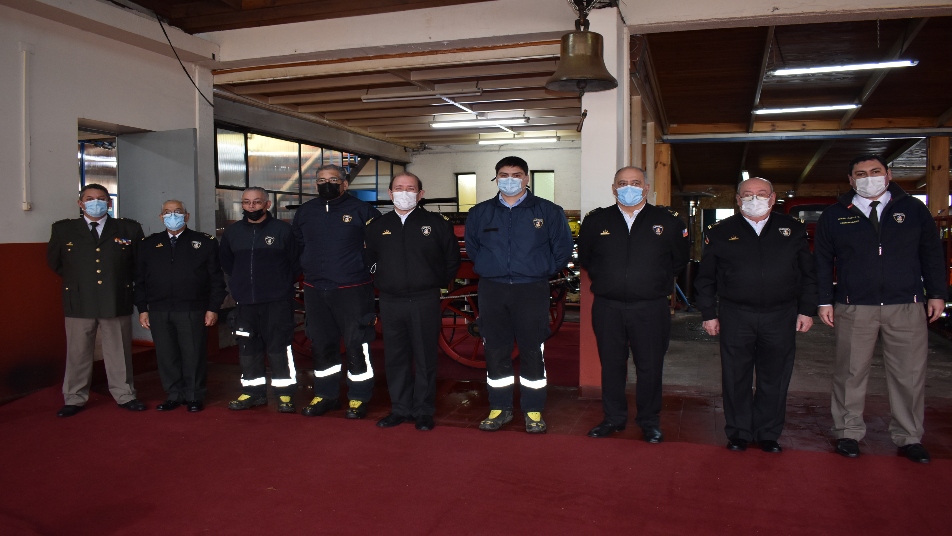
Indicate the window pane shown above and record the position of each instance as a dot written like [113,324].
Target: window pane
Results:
[310,161]
[333,157]
[350,161]
[273,163]
[364,185]
[228,209]
[543,184]
[466,191]
[280,203]
[231,158]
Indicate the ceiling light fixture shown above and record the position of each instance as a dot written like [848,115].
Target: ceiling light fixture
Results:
[418,95]
[805,109]
[744,175]
[519,140]
[843,68]
[482,123]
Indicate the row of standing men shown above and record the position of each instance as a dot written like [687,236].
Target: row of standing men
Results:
[756,287]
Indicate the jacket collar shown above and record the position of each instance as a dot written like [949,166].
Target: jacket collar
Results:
[527,202]
[894,190]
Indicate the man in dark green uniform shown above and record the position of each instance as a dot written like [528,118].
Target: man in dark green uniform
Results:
[96,256]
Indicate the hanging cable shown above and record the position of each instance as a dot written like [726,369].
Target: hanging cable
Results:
[180,59]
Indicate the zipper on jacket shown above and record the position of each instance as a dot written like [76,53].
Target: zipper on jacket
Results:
[251,271]
[509,249]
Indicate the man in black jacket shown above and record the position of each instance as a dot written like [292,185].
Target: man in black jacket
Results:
[759,264]
[260,255]
[885,248]
[413,253]
[632,252]
[96,256]
[338,292]
[179,289]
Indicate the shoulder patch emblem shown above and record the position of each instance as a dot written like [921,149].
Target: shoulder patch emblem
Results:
[537,223]
[347,218]
[658,229]
[269,240]
[605,233]
[386,232]
[707,240]
[196,244]
[899,217]
[684,233]
[733,238]
[426,230]
[785,231]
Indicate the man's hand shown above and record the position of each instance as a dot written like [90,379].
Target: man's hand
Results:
[210,318]
[712,327]
[144,320]
[826,314]
[804,323]
[934,309]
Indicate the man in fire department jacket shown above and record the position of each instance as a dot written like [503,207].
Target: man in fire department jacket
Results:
[413,253]
[632,251]
[759,264]
[338,292]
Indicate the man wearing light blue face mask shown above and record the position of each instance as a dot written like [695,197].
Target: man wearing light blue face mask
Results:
[96,256]
[179,288]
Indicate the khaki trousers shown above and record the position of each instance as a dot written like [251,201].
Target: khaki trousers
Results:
[116,354]
[905,346]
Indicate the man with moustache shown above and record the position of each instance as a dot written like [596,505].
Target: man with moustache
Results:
[338,292]
[759,265]
[179,290]
[412,253]
[632,251]
[890,281]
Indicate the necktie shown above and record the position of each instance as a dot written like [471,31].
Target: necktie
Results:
[174,239]
[92,228]
[873,216]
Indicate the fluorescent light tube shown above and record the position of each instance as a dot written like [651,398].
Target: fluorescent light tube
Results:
[842,68]
[518,140]
[479,124]
[745,175]
[806,109]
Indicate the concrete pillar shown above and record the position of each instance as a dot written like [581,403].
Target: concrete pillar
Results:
[605,147]
[937,175]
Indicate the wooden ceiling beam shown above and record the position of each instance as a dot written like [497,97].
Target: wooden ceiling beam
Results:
[807,125]
[813,162]
[944,118]
[909,144]
[360,106]
[522,67]
[900,46]
[527,105]
[423,110]
[326,96]
[760,80]
[743,162]
[317,83]
[497,96]
[423,125]
[649,87]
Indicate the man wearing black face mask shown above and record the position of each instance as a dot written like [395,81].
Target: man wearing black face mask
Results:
[261,256]
[338,292]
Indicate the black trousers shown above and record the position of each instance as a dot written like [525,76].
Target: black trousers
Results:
[411,330]
[517,312]
[331,314]
[644,328]
[265,329]
[180,339]
[765,343]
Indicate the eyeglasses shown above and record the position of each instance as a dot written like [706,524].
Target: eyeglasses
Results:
[176,211]
[749,198]
[252,202]
[333,180]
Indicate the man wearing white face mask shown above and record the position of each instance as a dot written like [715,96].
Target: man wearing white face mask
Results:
[632,251]
[890,280]
[96,256]
[759,265]
[179,289]
[412,253]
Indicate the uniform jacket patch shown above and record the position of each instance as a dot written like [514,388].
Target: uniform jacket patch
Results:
[347,218]
[426,230]
[196,244]
[269,240]
[537,223]
[658,229]
[899,217]
[785,231]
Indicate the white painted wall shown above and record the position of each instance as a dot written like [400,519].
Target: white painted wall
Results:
[75,74]
[438,168]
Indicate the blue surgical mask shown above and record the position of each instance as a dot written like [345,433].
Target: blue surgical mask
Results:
[95,208]
[509,185]
[174,221]
[630,195]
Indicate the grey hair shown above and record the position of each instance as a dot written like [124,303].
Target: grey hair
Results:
[626,168]
[176,201]
[339,170]
[755,178]
[258,189]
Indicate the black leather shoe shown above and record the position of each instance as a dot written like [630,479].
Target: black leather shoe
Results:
[356,409]
[195,406]
[768,445]
[605,429]
[425,423]
[847,447]
[133,405]
[652,434]
[69,410]
[168,405]
[736,444]
[391,420]
[320,406]
[915,452]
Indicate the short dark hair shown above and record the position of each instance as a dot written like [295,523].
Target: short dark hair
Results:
[866,158]
[406,174]
[334,167]
[513,161]
[93,186]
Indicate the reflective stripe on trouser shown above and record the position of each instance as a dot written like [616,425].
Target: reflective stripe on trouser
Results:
[514,313]
[270,327]
[333,315]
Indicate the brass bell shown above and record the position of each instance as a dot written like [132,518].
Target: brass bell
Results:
[581,65]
